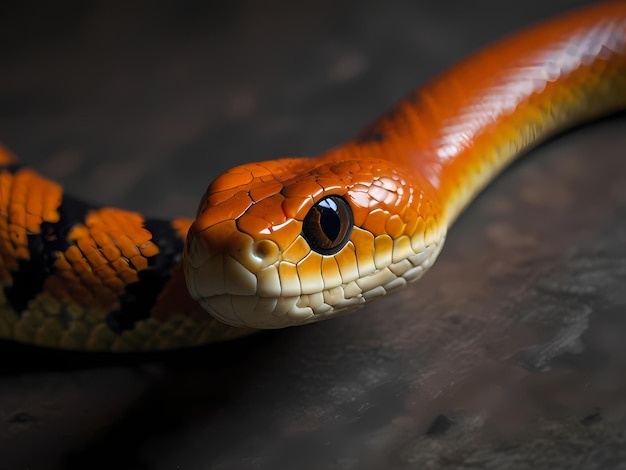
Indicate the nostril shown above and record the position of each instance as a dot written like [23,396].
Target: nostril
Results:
[266,251]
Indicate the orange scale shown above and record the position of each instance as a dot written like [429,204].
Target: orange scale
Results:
[359,213]
[235,177]
[34,204]
[139,262]
[376,221]
[90,279]
[69,276]
[302,189]
[110,221]
[94,220]
[61,264]
[73,254]
[431,231]
[409,215]
[269,209]
[120,265]
[332,275]
[52,194]
[331,184]
[111,252]
[139,236]
[104,219]
[51,214]
[216,197]
[294,206]
[267,178]
[78,232]
[289,280]
[33,223]
[364,248]
[252,225]
[126,217]
[6,180]
[18,189]
[131,217]
[346,168]
[81,266]
[18,216]
[383,251]
[87,245]
[286,234]
[149,249]
[127,247]
[217,238]
[266,190]
[235,207]
[420,226]
[268,168]
[128,276]
[297,251]
[105,272]
[394,226]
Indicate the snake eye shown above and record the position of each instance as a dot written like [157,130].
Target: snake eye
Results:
[328,225]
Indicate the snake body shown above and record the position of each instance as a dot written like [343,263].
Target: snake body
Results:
[292,241]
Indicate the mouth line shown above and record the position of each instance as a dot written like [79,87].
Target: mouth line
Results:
[281,311]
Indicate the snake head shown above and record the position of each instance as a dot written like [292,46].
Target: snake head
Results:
[293,241]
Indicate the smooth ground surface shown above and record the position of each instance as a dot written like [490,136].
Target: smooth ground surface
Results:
[509,354]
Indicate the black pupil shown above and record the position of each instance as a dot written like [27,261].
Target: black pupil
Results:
[328,225]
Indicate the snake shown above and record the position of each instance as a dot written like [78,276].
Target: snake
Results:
[292,241]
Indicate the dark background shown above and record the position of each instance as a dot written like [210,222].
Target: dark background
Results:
[509,354]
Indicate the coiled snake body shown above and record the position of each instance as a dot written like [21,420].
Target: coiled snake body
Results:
[292,241]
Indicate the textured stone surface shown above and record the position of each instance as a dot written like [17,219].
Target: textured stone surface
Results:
[509,354]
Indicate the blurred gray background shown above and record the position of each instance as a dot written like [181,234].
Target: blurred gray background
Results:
[509,354]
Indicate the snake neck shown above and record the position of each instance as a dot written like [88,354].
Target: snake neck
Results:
[464,127]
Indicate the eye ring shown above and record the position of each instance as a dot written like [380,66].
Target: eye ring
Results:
[328,225]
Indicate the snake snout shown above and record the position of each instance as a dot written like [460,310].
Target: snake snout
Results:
[218,263]
[224,270]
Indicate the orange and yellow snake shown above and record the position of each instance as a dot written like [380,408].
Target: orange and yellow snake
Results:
[293,241]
